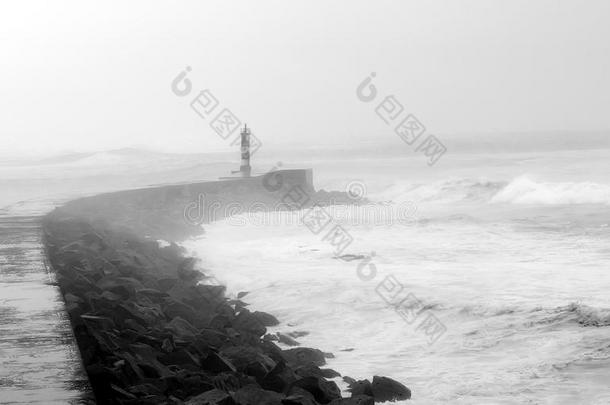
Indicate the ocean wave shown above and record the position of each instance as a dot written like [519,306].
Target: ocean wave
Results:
[447,191]
[585,315]
[520,190]
[486,311]
[574,312]
[523,190]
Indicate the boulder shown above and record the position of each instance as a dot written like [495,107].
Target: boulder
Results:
[322,390]
[247,322]
[186,383]
[360,387]
[231,382]
[303,356]
[143,390]
[266,319]
[146,358]
[279,379]
[217,363]
[181,328]
[297,399]
[329,373]
[311,370]
[211,397]
[354,400]
[287,340]
[130,310]
[253,395]
[249,360]
[182,358]
[386,389]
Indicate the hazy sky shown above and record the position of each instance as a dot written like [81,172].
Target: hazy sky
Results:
[83,75]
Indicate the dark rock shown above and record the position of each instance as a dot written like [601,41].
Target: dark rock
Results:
[303,356]
[186,383]
[295,391]
[272,350]
[329,373]
[360,387]
[166,284]
[146,358]
[217,363]
[181,328]
[308,370]
[354,400]
[279,379]
[212,337]
[231,382]
[131,324]
[143,390]
[181,357]
[266,319]
[253,395]
[311,370]
[249,360]
[130,310]
[167,345]
[123,286]
[98,322]
[271,338]
[173,308]
[246,321]
[71,298]
[110,296]
[212,397]
[152,293]
[287,340]
[386,389]
[322,390]
[297,399]
[121,393]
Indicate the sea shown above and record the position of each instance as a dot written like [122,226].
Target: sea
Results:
[479,279]
[482,279]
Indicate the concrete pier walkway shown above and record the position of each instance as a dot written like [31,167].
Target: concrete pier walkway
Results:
[39,359]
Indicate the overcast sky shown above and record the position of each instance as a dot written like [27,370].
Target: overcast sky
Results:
[96,75]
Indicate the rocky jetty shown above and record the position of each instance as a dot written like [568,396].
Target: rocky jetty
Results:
[151,331]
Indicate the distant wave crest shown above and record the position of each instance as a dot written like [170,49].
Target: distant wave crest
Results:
[586,315]
[521,190]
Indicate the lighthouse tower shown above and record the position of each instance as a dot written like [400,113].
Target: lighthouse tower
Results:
[244,168]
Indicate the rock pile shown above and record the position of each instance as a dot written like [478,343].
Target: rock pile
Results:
[150,332]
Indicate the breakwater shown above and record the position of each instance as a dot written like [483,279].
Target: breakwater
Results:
[149,328]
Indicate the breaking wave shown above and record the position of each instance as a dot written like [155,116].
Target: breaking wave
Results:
[521,190]
[583,315]
[574,312]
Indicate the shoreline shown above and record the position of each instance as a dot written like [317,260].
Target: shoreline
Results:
[150,332]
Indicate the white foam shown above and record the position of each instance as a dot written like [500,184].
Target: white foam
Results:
[523,190]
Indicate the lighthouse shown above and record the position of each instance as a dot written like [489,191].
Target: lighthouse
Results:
[244,167]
